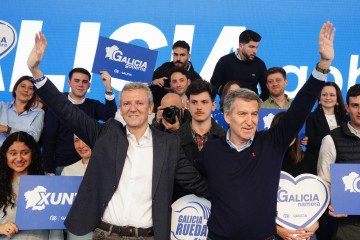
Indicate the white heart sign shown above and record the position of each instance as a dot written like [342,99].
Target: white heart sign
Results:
[8,38]
[301,201]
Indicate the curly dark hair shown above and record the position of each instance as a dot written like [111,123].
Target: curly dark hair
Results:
[7,196]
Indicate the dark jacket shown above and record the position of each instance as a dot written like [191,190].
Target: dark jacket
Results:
[316,129]
[191,148]
[109,146]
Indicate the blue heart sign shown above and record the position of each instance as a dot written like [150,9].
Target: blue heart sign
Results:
[301,200]
[8,38]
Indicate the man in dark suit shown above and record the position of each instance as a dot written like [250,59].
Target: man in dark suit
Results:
[127,187]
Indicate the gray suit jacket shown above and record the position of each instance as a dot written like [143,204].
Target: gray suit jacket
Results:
[109,145]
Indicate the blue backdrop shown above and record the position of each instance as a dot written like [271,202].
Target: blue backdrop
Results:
[289,30]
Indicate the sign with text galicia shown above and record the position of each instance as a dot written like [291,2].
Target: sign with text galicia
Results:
[266,116]
[189,218]
[124,61]
[345,188]
[301,200]
[47,199]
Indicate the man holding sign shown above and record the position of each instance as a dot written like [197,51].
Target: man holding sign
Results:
[342,146]
[243,168]
[127,188]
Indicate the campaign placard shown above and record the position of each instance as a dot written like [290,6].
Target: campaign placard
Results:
[47,199]
[189,218]
[8,38]
[124,61]
[345,188]
[266,116]
[301,201]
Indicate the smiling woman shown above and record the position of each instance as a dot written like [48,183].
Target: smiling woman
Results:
[19,155]
[21,114]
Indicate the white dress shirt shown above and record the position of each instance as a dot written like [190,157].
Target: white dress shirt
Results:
[131,204]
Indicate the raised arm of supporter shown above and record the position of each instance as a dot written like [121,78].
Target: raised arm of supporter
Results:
[85,127]
[159,81]
[326,45]
[105,76]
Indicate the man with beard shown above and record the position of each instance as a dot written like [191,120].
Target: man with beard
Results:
[242,66]
[161,79]
[276,82]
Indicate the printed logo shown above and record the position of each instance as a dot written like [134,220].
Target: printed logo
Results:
[38,198]
[8,38]
[351,182]
[114,54]
[189,218]
[267,120]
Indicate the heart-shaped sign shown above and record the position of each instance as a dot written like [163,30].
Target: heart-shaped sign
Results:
[301,200]
[8,38]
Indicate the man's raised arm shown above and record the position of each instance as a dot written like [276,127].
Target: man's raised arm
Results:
[36,55]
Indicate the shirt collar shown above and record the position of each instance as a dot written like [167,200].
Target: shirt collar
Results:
[74,102]
[287,98]
[232,145]
[353,130]
[146,136]
[237,54]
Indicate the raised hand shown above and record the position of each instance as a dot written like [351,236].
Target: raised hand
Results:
[36,55]
[326,47]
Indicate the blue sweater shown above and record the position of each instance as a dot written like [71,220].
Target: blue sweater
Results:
[243,185]
[58,139]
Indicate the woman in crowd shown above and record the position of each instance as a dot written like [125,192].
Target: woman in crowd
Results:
[328,114]
[19,155]
[296,162]
[22,114]
[230,86]
[78,169]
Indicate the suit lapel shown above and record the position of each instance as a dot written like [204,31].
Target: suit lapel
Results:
[159,154]
[323,121]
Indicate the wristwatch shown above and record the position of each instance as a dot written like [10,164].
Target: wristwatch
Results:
[109,93]
[323,71]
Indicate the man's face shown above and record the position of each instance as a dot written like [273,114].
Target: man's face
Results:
[181,57]
[201,106]
[135,108]
[171,99]
[243,119]
[179,83]
[248,50]
[79,84]
[354,111]
[276,84]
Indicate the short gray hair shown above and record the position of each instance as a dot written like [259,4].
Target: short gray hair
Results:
[239,93]
[137,85]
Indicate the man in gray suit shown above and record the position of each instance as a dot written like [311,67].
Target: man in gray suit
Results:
[127,188]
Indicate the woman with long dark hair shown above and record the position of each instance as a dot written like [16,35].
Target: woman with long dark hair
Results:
[328,114]
[22,114]
[19,155]
[296,162]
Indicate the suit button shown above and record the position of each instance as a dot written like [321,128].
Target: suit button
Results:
[103,204]
[114,187]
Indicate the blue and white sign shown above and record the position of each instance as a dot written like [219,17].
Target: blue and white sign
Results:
[8,38]
[266,115]
[301,201]
[47,199]
[124,61]
[345,188]
[189,218]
